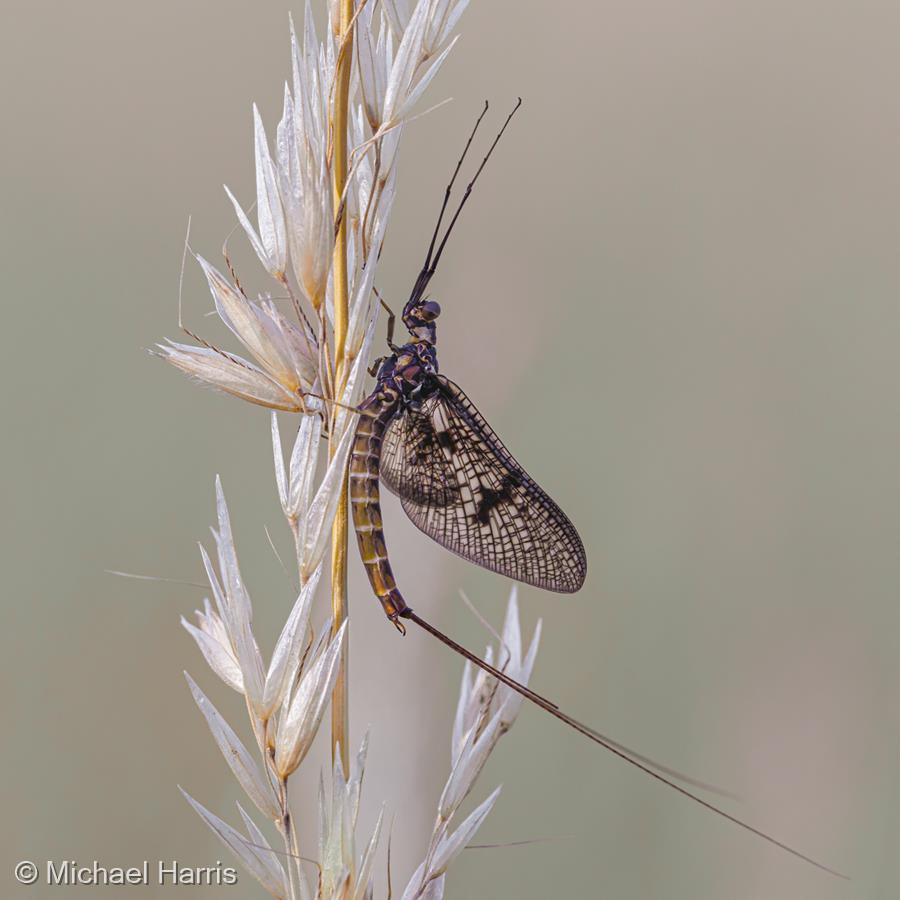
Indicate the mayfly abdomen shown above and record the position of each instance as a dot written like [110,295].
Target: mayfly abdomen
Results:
[365,500]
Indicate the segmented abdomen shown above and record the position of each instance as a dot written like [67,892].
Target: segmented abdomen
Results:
[365,497]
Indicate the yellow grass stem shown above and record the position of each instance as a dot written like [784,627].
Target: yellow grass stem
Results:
[340,720]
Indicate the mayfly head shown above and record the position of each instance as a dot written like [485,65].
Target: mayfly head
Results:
[419,317]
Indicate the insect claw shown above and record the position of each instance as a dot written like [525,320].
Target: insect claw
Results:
[399,626]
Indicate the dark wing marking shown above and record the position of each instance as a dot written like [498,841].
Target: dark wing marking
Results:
[412,462]
[463,488]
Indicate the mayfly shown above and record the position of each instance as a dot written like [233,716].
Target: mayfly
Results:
[421,436]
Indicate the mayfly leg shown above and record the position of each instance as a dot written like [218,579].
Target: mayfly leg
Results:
[470,185]
[449,187]
[435,249]
[392,319]
[328,402]
[427,270]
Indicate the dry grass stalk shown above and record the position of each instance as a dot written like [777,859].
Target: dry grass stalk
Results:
[323,199]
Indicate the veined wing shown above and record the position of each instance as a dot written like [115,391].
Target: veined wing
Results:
[463,488]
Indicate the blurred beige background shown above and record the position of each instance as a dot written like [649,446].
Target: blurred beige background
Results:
[676,295]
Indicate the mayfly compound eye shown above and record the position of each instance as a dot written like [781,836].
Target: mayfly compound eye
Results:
[429,310]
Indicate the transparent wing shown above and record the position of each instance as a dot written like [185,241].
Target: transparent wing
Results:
[463,488]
